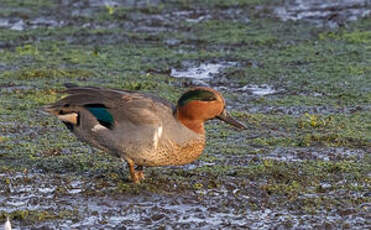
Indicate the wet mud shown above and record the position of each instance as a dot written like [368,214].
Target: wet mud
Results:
[324,13]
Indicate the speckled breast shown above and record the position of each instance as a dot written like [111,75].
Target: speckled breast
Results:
[170,153]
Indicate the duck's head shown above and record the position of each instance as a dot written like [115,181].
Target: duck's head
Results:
[200,104]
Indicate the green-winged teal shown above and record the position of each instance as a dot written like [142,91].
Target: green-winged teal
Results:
[140,128]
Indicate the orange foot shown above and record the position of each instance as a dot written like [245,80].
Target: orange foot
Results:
[136,175]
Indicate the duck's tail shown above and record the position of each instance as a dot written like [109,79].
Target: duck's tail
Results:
[65,116]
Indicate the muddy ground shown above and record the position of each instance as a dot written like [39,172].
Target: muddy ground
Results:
[297,73]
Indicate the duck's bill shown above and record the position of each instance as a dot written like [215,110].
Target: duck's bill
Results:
[226,117]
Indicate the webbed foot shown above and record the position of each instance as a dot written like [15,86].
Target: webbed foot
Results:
[136,174]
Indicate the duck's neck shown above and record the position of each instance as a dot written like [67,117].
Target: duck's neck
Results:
[195,125]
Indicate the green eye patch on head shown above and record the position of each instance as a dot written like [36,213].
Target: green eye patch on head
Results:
[196,95]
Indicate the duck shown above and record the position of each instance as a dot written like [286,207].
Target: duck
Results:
[141,129]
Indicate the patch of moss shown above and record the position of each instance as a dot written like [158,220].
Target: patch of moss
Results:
[232,33]
[28,74]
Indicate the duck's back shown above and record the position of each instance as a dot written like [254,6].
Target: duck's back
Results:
[131,125]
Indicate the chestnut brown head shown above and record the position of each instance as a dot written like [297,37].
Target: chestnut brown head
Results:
[201,104]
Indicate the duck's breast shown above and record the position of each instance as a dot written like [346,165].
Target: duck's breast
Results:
[167,143]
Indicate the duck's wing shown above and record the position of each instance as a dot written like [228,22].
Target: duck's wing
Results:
[110,107]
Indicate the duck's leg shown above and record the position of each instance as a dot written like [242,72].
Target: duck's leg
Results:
[139,172]
[136,176]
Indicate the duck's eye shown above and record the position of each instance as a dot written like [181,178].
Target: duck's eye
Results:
[196,95]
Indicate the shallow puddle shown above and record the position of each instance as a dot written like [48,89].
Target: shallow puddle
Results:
[259,90]
[298,110]
[314,153]
[201,72]
[324,12]
[20,24]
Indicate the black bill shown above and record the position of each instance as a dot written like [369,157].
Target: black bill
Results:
[225,116]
